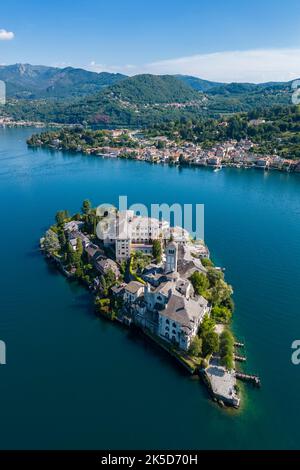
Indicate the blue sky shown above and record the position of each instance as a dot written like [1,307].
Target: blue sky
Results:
[220,40]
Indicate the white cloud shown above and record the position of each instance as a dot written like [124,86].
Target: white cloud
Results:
[262,65]
[6,35]
[126,69]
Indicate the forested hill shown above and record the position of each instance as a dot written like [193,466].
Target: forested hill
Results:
[152,89]
[135,101]
[76,96]
[25,81]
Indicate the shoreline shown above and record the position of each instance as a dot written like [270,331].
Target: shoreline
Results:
[214,168]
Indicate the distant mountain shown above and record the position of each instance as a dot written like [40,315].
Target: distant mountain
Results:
[152,89]
[198,83]
[233,88]
[24,81]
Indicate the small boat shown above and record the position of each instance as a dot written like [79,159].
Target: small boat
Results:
[219,168]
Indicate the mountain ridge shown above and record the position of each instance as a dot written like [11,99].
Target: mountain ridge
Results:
[26,81]
[29,81]
[70,95]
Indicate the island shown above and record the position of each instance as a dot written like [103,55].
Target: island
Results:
[158,281]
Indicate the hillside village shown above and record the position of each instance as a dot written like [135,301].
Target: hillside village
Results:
[124,143]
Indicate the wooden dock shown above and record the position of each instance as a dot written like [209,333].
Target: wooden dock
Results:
[240,358]
[249,378]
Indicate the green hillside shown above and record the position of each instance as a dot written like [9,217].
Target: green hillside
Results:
[152,89]
[24,81]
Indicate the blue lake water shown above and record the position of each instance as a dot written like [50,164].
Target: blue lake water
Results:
[73,381]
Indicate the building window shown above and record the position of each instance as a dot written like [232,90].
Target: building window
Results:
[167,321]
[174,325]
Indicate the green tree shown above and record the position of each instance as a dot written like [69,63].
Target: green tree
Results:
[79,251]
[227,349]
[160,144]
[139,261]
[210,343]
[214,276]
[199,282]
[221,314]
[229,304]
[206,262]
[220,292]
[61,217]
[196,347]
[104,286]
[208,324]
[110,278]
[157,250]
[102,306]
[71,255]
[62,238]
[86,206]
[51,242]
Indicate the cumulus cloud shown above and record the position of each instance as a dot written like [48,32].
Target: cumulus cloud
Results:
[6,35]
[254,66]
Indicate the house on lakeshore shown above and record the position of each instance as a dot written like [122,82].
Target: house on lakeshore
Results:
[105,265]
[179,321]
[214,161]
[132,291]
[262,163]
[93,252]
[297,167]
[74,235]
[73,225]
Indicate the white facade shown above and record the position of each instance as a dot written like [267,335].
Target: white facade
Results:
[132,230]
[123,249]
[172,331]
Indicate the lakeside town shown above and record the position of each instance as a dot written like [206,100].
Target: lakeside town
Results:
[133,144]
[145,274]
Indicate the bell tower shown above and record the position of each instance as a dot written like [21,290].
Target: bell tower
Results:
[171,257]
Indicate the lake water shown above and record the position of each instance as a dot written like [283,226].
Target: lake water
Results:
[73,381]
